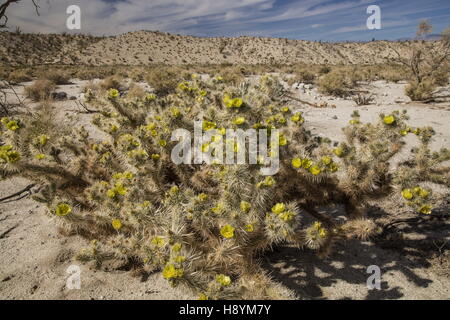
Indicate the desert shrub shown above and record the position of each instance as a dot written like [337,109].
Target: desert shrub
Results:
[19,75]
[58,77]
[334,83]
[91,73]
[163,79]
[136,91]
[204,225]
[232,75]
[302,76]
[40,90]
[324,70]
[441,77]
[111,82]
[420,91]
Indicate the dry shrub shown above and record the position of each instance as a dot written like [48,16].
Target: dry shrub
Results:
[58,77]
[40,90]
[112,82]
[90,73]
[420,91]
[19,75]
[164,79]
[233,75]
[334,83]
[136,91]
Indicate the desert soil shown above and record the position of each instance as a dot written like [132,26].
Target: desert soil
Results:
[414,263]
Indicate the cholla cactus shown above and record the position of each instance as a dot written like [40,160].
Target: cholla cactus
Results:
[204,225]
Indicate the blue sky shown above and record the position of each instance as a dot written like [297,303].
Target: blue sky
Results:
[327,20]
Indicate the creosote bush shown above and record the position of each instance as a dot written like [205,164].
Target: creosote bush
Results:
[40,90]
[204,226]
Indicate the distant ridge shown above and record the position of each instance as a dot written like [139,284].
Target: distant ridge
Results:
[150,47]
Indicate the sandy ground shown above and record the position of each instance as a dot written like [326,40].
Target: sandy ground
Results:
[34,256]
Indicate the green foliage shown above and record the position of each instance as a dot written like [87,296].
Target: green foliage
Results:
[204,226]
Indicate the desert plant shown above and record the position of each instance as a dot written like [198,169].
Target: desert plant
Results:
[58,77]
[19,75]
[40,90]
[163,79]
[334,83]
[424,59]
[204,225]
[420,91]
[111,82]
[363,99]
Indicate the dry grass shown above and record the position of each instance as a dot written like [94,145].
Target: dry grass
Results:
[40,90]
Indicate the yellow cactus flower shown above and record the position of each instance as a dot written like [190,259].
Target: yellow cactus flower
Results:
[237,103]
[12,125]
[249,228]
[113,93]
[287,216]
[177,247]
[116,224]
[203,296]
[170,272]
[326,160]
[227,231]
[407,194]
[205,147]
[179,259]
[239,120]
[306,163]
[282,140]
[245,206]
[285,109]
[315,170]
[389,119]
[278,208]
[43,140]
[425,209]
[174,190]
[111,194]
[202,197]
[175,112]
[297,163]
[339,152]
[63,209]
[156,156]
[208,125]
[223,280]
[162,143]
[158,242]
[424,193]
[40,156]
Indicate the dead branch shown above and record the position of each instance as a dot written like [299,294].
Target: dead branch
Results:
[5,6]
[19,194]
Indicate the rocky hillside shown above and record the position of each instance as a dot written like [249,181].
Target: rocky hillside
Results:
[146,47]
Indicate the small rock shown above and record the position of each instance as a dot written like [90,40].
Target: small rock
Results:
[59,96]
[335,117]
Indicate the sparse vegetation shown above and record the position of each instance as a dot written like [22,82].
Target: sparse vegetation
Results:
[40,90]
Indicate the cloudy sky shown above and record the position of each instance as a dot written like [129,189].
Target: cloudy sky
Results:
[327,20]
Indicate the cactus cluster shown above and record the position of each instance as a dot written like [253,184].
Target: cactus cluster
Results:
[204,226]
